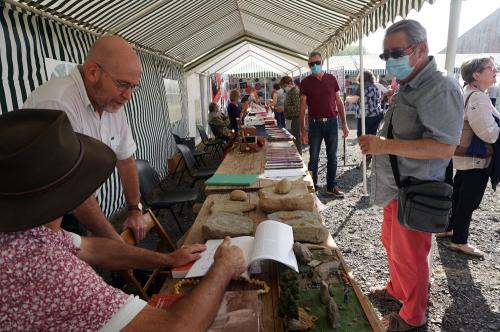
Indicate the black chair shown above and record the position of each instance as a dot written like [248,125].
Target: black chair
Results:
[215,145]
[166,199]
[195,173]
[198,155]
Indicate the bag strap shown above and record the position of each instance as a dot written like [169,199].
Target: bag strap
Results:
[394,161]
[467,99]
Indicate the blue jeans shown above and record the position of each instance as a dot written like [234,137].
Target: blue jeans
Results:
[329,131]
[280,119]
[371,124]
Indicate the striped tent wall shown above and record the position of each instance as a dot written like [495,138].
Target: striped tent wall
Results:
[26,40]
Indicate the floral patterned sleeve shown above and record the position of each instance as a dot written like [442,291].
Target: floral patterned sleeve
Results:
[45,286]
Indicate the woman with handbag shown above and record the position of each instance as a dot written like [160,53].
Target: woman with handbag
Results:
[473,155]
[373,111]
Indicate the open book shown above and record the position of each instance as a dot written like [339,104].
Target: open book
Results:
[273,240]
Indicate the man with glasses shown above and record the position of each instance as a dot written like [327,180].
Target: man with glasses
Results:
[92,96]
[427,118]
[320,92]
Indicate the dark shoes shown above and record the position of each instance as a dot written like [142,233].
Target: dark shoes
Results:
[381,293]
[335,192]
[394,322]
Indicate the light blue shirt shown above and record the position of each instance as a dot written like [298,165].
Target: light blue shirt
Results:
[429,106]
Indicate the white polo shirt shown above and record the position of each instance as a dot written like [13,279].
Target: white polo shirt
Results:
[68,94]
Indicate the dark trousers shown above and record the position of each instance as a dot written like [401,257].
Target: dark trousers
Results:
[329,131]
[493,101]
[295,131]
[280,119]
[468,191]
[371,124]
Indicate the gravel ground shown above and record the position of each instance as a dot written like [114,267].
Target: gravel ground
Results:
[464,293]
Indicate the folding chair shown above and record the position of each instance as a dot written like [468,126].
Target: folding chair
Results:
[215,145]
[195,173]
[198,155]
[166,199]
[151,222]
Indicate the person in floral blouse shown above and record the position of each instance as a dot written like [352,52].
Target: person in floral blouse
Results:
[46,278]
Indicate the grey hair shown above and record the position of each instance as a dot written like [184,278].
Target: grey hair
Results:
[415,32]
[472,66]
[314,53]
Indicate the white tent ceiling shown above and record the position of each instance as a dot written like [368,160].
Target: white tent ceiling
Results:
[195,31]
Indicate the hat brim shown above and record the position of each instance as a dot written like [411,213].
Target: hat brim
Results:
[28,212]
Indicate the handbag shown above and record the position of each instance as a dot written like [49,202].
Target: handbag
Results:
[423,206]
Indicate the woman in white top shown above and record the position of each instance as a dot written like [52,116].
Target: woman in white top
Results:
[471,177]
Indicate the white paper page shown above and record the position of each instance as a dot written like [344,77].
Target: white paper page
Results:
[283,173]
[274,240]
[202,265]
[280,144]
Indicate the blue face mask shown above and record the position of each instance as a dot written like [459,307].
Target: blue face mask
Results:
[400,67]
[316,69]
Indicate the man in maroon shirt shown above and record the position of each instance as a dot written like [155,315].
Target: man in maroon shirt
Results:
[320,92]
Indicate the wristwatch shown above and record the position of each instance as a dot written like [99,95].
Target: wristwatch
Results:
[137,207]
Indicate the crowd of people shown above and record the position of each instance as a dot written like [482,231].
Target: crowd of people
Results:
[46,278]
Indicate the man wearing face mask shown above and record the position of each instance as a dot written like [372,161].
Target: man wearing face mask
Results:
[320,92]
[427,118]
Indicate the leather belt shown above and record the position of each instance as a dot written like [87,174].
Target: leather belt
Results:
[320,119]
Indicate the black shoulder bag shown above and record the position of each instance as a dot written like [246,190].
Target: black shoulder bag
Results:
[423,205]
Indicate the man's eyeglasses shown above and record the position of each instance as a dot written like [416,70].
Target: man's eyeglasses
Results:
[120,85]
[314,63]
[397,52]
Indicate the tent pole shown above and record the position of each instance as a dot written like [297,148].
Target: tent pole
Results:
[362,97]
[328,59]
[451,47]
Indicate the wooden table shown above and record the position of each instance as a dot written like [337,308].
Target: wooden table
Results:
[237,162]
[269,307]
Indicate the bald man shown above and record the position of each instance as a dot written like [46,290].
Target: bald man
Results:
[92,96]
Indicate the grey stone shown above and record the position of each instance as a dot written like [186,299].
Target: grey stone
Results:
[324,294]
[325,269]
[332,313]
[314,263]
[302,253]
[306,225]
[222,224]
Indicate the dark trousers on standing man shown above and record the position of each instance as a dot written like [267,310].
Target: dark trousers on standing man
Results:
[327,129]
[280,119]
[468,191]
[295,131]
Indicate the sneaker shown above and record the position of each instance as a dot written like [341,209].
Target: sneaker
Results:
[335,191]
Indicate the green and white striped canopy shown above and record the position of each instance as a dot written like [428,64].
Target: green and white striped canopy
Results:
[192,31]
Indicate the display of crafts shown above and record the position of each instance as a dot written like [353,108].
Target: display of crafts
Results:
[283,156]
[320,297]
[276,134]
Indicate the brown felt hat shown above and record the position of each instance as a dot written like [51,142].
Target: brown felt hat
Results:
[46,169]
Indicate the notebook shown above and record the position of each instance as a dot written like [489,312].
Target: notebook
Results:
[220,179]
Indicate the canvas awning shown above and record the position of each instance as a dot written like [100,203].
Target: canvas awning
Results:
[192,32]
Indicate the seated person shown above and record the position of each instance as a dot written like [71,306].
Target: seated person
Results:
[245,106]
[218,122]
[233,110]
[46,281]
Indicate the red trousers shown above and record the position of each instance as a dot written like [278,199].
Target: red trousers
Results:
[407,257]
